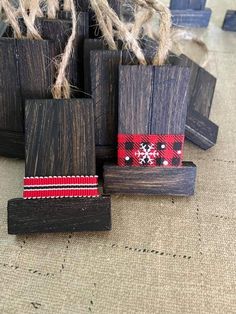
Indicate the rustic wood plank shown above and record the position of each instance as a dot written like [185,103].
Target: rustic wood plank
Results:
[89,45]
[230,21]
[11,111]
[179,181]
[12,144]
[152,100]
[200,130]
[59,215]
[191,18]
[104,65]
[59,137]
[27,72]
[104,76]
[187,4]
[59,31]
[36,70]
[201,85]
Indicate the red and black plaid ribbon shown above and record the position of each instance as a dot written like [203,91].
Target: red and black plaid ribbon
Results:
[56,187]
[140,150]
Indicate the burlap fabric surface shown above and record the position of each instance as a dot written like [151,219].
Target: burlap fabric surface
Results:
[164,255]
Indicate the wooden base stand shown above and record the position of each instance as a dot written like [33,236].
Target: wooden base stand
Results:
[191,18]
[176,181]
[12,144]
[59,215]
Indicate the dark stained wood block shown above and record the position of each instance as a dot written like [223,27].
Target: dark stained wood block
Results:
[179,181]
[11,109]
[59,138]
[59,215]
[27,72]
[59,31]
[230,21]
[199,129]
[153,100]
[102,85]
[90,45]
[59,142]
[191,18]
[104,66]
[201,85]
[187,4]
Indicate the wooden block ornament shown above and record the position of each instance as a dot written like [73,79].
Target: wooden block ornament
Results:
[190,13]
[60,186]
[152,115]
[230,21]
[151,122]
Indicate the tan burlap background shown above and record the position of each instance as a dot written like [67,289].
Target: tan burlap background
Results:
[164,255]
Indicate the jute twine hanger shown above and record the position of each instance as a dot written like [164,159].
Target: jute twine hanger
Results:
[122,31]
[11,17]
[28,11]
[67,5]
[29,19]
[61,88]
[52,8]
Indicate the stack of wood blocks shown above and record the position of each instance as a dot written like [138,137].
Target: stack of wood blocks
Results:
[125,121]
[190,13]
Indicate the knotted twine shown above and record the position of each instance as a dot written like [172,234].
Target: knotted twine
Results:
[121,31]
[61,88]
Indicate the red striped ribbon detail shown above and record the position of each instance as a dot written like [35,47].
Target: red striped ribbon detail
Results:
[61,186]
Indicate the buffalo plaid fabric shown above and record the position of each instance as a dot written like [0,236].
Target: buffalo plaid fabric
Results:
[56,187]
[141,150]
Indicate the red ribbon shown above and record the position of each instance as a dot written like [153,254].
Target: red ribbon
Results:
[56,187]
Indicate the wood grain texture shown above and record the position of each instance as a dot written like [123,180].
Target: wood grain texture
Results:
[59,137]
[36,70]
[12,144]
[201,87]
[90,45]
[11,110]
[200,130]
[60,31]
[187,4]
[27,72]
[191,18]
[104,85]
[59,215]
[104,67]
[153,100]
[230,21]
[178,181]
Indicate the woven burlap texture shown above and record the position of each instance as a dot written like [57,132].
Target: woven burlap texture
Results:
[164,255]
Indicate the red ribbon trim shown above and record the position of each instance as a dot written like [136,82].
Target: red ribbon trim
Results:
[56,187]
